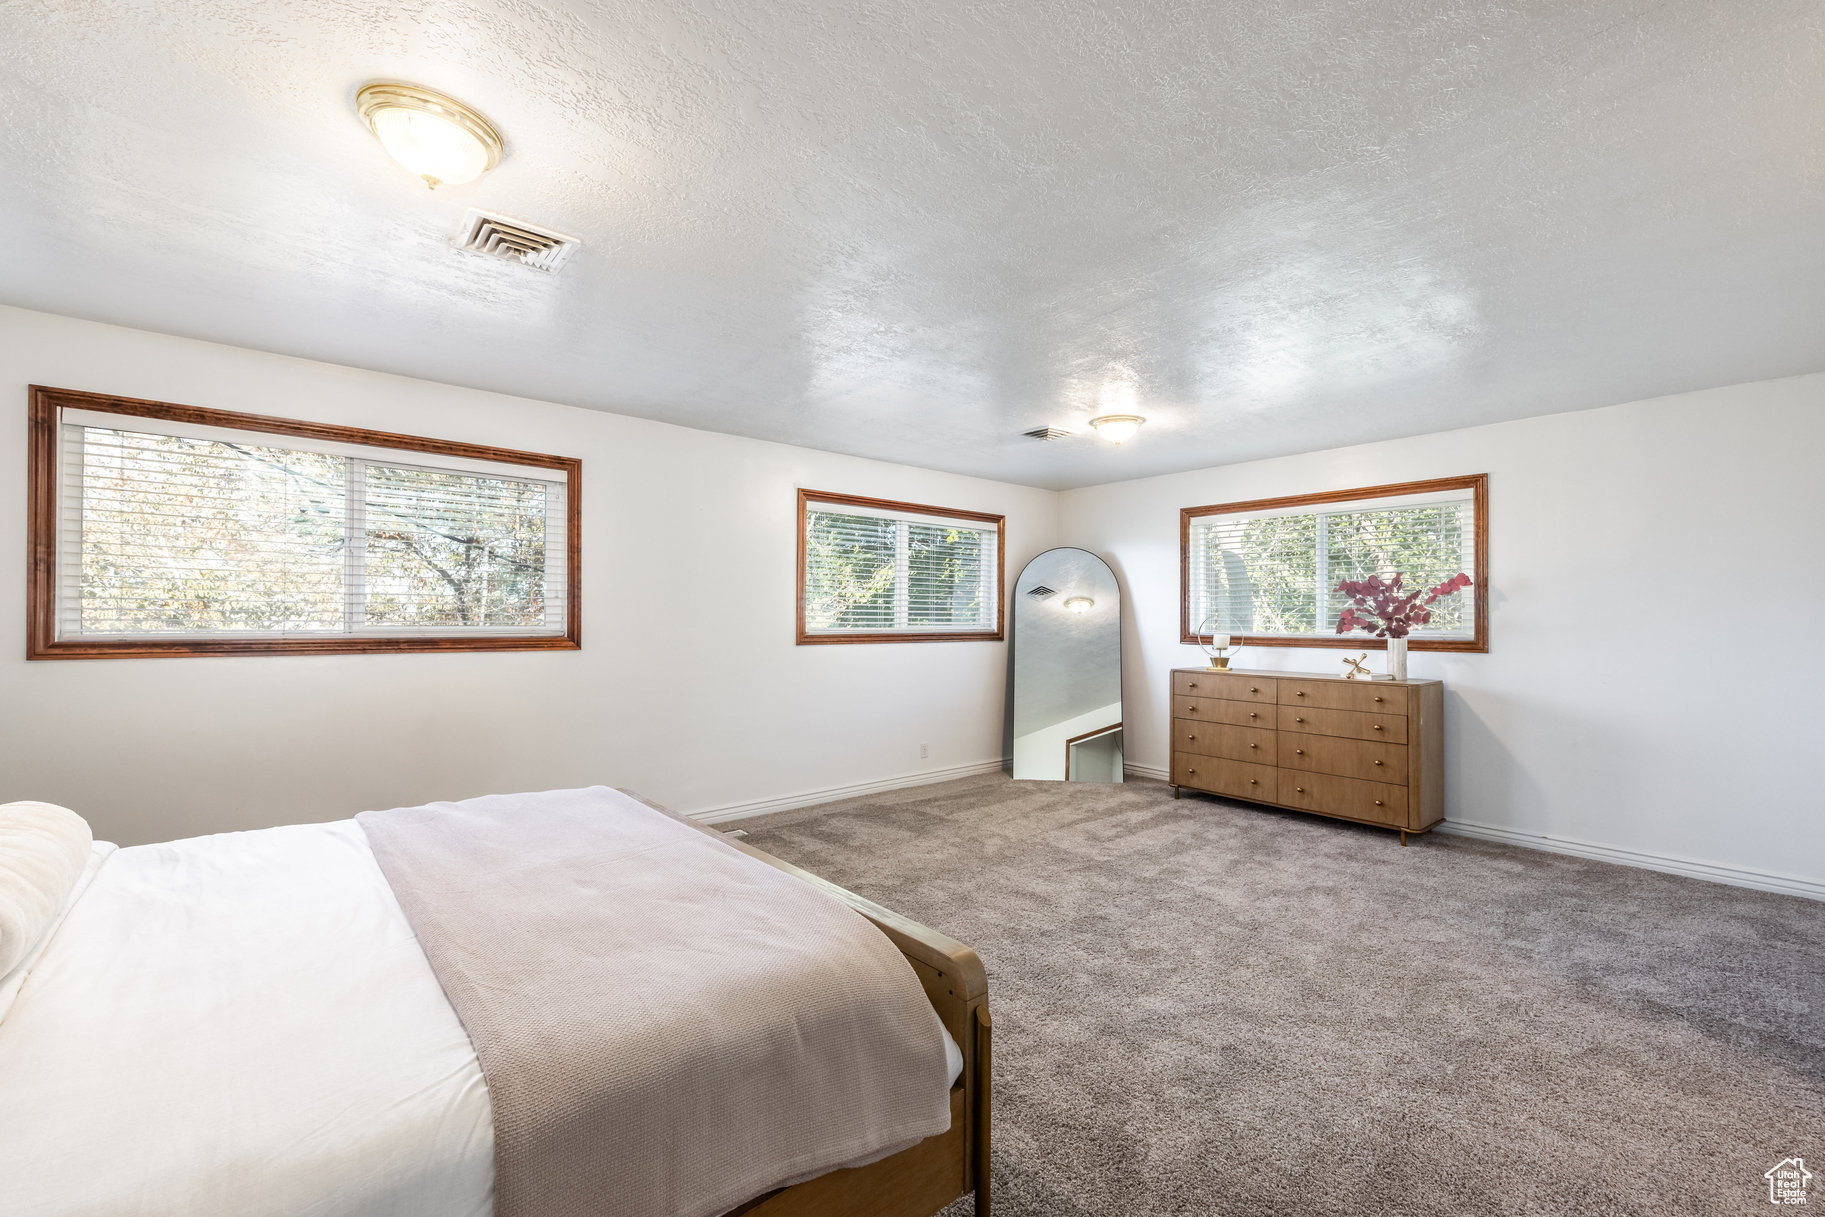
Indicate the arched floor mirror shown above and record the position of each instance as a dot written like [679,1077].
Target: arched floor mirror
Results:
[1067,720]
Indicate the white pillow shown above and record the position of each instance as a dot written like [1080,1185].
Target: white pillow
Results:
[43,849]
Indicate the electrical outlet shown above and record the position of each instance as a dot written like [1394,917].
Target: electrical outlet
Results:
[925,752]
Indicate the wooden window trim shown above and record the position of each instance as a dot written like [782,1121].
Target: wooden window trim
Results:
[41,525]
[807,497]
[1477,483]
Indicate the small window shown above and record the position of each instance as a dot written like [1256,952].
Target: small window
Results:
[168,530]
[876,571]
[1268,570]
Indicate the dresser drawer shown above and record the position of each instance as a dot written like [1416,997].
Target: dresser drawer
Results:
[1215,710]
[1348,758]
[1358,800]
[1367,696]
[1387,728]
[1225,686]
[1234,778]
[1219,739]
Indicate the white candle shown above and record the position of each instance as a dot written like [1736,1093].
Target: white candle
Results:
[1219,640]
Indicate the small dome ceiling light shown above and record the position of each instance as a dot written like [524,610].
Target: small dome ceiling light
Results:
[1117,428]
[1080,604]
[436,137]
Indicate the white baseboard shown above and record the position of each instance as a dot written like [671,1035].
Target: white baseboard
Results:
[830,794]
[1767,881]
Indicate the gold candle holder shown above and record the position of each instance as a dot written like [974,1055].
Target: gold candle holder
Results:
[1214,643]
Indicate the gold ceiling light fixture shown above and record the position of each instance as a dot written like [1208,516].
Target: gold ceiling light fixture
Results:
[436,137]
[1117,428]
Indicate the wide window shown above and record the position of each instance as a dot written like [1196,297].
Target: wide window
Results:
[167,530]
[1268,570]
[870,570]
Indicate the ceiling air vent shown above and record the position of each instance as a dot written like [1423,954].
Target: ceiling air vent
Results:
[501,237]
[1041,592]
[1046,433]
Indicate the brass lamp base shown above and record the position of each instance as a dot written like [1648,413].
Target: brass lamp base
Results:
[1219,663]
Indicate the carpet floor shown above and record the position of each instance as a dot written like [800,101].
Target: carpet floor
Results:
[1207,1008]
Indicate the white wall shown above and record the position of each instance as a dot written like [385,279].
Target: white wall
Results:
[1656,675]
[688,688]
[1653,685]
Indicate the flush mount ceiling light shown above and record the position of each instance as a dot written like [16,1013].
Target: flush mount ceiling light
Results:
[1117,427]
[1080,604]
[436,137]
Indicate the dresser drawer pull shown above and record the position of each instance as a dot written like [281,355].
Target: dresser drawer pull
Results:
[1252,689]
[1252,714]
[1378,726]
[1298,790]
[1253,782]
[1296,692]
[1299,752]
[1194,684]
[1378,802]
[1254,745]
[1298,720]
[1378,762]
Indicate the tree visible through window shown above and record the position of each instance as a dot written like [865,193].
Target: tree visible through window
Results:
[946,583]
[172,529]
[1269,571]
[451,549]
[873,572]
[187,535]
[850,569]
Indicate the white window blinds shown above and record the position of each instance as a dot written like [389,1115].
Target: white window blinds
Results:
[1274,572]
[879,571]
[168,530]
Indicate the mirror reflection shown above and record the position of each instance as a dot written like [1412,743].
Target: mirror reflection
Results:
[1067,669]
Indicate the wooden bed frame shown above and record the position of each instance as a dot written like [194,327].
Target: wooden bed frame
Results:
[919,1181]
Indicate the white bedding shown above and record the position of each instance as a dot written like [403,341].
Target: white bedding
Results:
[11,982]
[242,1025]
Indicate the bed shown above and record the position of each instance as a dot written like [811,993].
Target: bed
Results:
[248,1024]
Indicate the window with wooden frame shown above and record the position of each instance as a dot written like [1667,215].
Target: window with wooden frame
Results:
[1268,570]
[874,570]
[159,529]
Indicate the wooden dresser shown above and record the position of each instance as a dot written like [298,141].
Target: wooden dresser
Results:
[1369,751]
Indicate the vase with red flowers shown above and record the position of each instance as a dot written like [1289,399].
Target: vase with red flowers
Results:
[1383,608]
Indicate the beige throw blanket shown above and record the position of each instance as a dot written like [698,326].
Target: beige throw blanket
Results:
[668,1027]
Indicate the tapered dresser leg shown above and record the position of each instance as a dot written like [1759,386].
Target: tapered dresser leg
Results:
[1175,792]
[1403,836]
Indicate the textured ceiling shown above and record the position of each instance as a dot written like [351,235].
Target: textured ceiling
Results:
[913,230]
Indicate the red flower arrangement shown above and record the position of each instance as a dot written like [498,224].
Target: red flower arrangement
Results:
[1397,614]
